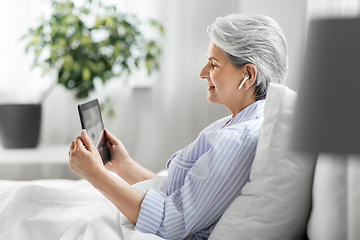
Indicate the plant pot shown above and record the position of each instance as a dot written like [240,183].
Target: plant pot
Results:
[20,125]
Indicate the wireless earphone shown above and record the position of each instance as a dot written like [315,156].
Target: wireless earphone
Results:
[243,81]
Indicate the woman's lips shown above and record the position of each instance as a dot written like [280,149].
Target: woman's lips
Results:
[210,87]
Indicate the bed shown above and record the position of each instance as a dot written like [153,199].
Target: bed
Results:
[275,203]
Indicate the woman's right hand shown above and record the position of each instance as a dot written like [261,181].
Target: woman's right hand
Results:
[120,158]
[122,164]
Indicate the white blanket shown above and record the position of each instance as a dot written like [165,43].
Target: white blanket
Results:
[63,209]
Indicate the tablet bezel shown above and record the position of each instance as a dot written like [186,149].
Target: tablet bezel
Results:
[105,156]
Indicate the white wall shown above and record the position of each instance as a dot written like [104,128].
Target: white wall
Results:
[17,77]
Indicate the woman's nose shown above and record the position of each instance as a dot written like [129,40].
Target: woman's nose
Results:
[204,73]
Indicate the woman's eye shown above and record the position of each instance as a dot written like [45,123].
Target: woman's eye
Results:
[214,65]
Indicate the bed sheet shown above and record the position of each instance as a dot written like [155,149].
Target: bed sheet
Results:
[64,209]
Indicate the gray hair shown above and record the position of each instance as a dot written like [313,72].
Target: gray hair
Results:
[256,39]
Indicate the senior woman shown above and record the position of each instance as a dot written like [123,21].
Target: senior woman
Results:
[245,54]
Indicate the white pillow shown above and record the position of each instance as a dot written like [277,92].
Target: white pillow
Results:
[276,202]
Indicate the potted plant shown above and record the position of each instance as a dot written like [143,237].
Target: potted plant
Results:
[89,42]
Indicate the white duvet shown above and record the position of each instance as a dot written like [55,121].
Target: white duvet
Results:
[63,209]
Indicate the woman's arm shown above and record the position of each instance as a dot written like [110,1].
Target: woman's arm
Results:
[123,165]
[85,160]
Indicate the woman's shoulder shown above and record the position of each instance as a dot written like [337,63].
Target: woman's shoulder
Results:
[234,134]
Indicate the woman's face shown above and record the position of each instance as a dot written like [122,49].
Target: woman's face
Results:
[222,78]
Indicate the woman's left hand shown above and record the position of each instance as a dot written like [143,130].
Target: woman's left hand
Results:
[84,158]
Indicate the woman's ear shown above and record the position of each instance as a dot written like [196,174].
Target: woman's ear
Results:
[251,71]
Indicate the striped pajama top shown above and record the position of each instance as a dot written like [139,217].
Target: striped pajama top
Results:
[204,178]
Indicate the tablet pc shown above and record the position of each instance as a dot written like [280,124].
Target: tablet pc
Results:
[91,120]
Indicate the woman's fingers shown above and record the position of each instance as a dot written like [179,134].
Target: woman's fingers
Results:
[86,141]
[72,146]
[84,159]
[111,138]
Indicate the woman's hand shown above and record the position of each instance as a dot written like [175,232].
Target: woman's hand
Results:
[120,158]
[84,158]
[123,165]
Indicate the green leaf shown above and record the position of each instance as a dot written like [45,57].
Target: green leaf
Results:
[38,51]
[86,74]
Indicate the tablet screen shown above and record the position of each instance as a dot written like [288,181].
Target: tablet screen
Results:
[91,120]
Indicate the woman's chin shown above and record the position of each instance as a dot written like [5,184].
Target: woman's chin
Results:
[211,99]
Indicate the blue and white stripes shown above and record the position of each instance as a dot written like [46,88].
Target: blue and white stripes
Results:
[204,178]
